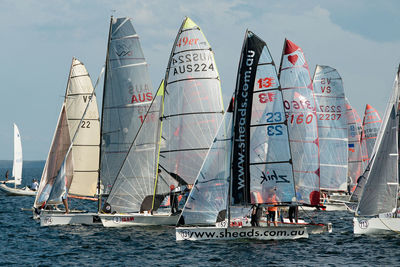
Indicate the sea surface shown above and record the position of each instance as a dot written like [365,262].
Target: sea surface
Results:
[24,243]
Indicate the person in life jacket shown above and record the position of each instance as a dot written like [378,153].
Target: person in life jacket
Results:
[272,209]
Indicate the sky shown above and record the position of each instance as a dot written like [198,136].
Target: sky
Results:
[39,38]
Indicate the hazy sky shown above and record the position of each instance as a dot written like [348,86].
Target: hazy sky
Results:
[39,38]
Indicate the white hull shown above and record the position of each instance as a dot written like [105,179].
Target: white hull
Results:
[259,233]
[312,228]
[365,226]
[10,191]
[137,219]
[51,219]
[329,207]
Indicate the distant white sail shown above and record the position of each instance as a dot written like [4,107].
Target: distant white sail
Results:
[332,128]
[17,164]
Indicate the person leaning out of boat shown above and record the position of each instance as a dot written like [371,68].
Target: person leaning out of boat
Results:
[173,198]
[6,176]
[34,185]
[272,208]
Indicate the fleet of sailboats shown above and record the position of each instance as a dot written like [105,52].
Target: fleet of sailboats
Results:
[175,157]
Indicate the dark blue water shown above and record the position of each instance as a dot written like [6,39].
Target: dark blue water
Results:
[23,242]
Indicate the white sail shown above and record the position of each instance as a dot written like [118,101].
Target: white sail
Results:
[126,97]
[86,139]
[380,192]
[332,128]
[58,150]
[184,127]
[301,114]
[17,163]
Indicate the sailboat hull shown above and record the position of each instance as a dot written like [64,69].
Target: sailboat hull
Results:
[259,233]
[16,191]
[137,219]
[371,226]
[52,219]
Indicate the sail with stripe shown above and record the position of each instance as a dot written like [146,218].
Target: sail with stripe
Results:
[186,122]
[86,144]
[300,110]
[332,128]
[17,163]
[127,95]
[371,124]
[380,194]
[355,159]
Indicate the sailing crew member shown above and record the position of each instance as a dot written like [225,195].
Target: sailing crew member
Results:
[272,210]
[34,185]
[6,175]
[256,214]
[173,199]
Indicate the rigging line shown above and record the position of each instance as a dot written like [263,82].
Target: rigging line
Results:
[187,149]
[191,113]
[266,90]
[271,162]
[193,79]
[267,124]
[191,50]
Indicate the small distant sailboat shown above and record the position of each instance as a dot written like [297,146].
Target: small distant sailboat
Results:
[378,208]
[17,171]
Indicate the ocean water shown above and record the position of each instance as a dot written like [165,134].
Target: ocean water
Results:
[24,243]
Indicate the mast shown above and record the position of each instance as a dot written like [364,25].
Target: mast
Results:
[99,195]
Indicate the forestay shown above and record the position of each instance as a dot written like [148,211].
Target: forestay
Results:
[355,159]
[301,114]
[17,163]
[380,192]
[126,97]
[371,124]
[332,128]
[84,130]
[136,179]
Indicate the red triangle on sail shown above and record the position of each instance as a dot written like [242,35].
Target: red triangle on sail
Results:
[290,47]
[314,198]
[368,106]
[293,59]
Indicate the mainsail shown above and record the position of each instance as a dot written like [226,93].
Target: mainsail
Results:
[253,154]
[380,192]
[371,124]
[17,163]
[355,159]
[301,115]
[261,161]
[332,128]
[185,125]
[126,97]
[85,147]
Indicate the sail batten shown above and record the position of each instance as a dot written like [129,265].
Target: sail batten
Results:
[126,99]
[332,128]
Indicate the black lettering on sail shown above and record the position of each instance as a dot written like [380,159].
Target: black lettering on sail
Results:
[251,52]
